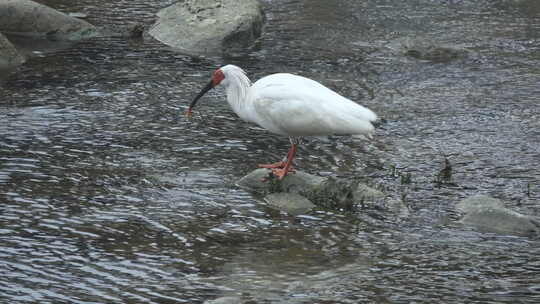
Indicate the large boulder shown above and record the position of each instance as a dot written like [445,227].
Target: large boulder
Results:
[199,27]
[9,56]
[488,214]
[28,18]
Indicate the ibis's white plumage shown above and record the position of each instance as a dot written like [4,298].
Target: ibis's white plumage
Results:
[293,105]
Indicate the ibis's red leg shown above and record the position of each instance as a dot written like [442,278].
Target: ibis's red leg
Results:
[279,164]
[281,172]
[282,168]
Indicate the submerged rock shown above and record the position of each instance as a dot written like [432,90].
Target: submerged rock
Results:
[28,18]
[364,192]
[209,26]
[9,55]
[435,54]
[398,208]
[426,50]
[291,203]
[488,214]
[129,31]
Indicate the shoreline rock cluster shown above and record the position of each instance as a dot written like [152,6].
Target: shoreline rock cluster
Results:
[301,193]
[193,27]
[35,21]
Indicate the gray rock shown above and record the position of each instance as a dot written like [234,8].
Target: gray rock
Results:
[330,193]
[291,203]
[9,55]
[488,214]
[478,203]
[436,54]
[255,180]
[298,182]
[426,49]
[301,182]
[364,193]
[398,208]
[130,31]
[200,27]
[28,18]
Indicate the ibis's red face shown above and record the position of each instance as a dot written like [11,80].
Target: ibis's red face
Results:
[217,77]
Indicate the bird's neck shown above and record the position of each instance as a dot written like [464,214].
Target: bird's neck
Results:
[237,95]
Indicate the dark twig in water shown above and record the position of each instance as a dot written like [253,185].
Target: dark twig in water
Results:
[445,174]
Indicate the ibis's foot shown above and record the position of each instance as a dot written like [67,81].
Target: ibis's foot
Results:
[280,173]
[278,165]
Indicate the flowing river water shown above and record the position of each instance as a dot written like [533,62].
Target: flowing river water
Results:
[108,195]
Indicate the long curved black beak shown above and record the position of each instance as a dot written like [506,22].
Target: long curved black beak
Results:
[207,88]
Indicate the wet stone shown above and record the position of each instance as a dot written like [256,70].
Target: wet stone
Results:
[209,27]
[398,208]
[9,55]
[29,18]
[426,50]
[435,54]
[260,180]
[488,214]
[292,203]
[365,193]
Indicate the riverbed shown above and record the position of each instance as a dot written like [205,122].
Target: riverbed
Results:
[109,195]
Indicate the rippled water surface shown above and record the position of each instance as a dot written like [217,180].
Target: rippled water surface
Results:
[110,196]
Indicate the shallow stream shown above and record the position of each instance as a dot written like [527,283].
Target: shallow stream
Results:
[110,196]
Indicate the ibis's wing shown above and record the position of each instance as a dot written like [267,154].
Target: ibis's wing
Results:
[296,106]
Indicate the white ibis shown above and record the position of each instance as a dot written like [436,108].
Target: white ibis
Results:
[289,105]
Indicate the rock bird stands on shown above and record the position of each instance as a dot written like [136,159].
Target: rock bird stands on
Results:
[289,105]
